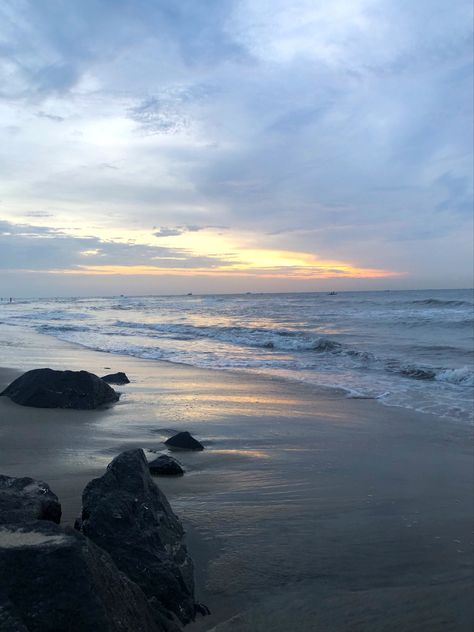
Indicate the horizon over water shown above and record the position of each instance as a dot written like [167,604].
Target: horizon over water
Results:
[409,348]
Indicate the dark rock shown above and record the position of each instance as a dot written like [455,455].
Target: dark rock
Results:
[200,608]
[54,579]
[116,378]
[24,499]
[46,388]
[126,514]
[183,441]
[165,465]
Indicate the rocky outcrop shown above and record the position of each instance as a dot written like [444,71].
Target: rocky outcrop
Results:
[126,514]
[53,578]
[165,465]
[46,388]
[116,378]
[25,499]
[183,441]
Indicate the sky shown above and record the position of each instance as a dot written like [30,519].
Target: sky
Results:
[170,146]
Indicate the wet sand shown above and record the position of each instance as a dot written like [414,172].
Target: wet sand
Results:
[307,510]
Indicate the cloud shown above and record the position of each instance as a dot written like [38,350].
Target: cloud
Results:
[52,117]
[170,111]
[166,231]
[341,129]
[159,116]
[459,194]
[38,214]
[27,247]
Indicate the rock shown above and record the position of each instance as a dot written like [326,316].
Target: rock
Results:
[53,579]
[183,441]
[46,388]
[165,465]
[126,514]
[24,499]
[116,378]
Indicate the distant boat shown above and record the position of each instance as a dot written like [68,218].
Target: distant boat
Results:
[332,293]
[189,294]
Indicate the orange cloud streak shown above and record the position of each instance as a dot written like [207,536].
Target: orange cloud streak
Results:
[321,271]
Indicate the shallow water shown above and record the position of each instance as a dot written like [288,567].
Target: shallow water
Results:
[412,349]
[305,507]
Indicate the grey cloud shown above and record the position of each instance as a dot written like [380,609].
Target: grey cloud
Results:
[43,248]
[340,137]
[166,231]
[159,116]
[51,117]
[49,46]
[171,110]
[40,214]
[460,197]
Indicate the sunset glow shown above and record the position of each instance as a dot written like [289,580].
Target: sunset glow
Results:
[254,146]
[271,265]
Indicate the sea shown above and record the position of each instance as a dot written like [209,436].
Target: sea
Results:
[413,349]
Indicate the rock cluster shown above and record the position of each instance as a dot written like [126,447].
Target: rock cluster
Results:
[116,378]
[47,388]
[165,465]
[127,515]
[24,499]
[183,441]
[54,578]
[123,569]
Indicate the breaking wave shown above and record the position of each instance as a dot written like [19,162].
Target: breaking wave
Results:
[403,348]
[278,339]
[463,376]
[436,302]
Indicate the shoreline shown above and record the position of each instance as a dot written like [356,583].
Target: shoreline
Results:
[244,373]
[305,504]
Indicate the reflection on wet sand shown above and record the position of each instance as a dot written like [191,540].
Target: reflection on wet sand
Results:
[300,497]
[257,454]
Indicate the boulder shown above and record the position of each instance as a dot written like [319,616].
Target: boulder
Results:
[116,378]
[165,465]
[53,578]
[126,514]
[24,499]
[183,441]
[46,388]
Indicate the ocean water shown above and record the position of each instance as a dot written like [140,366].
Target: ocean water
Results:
[412,349]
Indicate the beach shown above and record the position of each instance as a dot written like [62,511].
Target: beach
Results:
[306,509]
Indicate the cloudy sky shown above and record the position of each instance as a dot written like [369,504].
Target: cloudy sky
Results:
[231,145]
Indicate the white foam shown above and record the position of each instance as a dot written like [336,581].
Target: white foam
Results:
[463,376]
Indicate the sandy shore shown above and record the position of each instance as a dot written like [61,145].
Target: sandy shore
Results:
[307,510]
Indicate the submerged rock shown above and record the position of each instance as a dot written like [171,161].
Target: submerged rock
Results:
[184,441]
[165,465]
[47,388]
[53,578]
[25,499]
[116,378]
[126,514]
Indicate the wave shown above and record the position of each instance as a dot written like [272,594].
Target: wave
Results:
[52,329]
[437,302]
[277,339]
[463,376]
[417,372]
[49,315]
